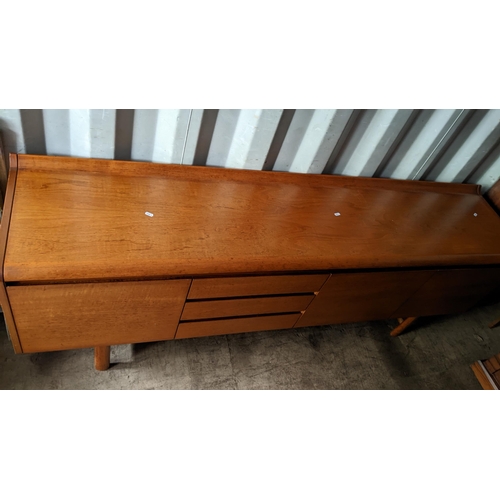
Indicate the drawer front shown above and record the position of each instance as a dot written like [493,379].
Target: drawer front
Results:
[57,317]
[211,288]
[235,325]
[450,291]
[245,307]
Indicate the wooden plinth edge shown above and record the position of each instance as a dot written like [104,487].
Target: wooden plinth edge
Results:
[483,376]
[101,358]
[403,325]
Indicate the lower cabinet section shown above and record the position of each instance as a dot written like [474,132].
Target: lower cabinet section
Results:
[57,317]
[450,291]
[350,297]
[69,316]
[235,325]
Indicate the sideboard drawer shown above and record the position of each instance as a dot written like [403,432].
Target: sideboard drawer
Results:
[72,316]
[211,288]
[235,325]
[245,307]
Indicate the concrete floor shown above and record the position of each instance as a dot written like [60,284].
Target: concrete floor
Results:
[434,354]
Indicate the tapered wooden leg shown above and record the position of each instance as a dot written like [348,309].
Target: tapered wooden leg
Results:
[495,323]
[101,358]
[403,325]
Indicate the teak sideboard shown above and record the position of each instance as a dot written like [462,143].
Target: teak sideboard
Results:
[99,252]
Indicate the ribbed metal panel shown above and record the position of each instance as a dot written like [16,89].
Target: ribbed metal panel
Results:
[455,145]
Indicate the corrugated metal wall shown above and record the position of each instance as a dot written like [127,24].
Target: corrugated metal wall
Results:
[450,145]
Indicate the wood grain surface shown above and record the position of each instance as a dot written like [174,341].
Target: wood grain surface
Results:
[235,325]
[86,219]
[350,297]
[57,317]
[245,307]
[145,169]
[4,231]
[209,288]
[450,291]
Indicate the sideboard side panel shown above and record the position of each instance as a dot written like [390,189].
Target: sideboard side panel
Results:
[4,231]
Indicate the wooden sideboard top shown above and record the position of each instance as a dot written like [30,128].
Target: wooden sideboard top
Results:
[80,219]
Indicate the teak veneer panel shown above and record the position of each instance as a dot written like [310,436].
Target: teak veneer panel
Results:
[245,307]
[236,325]
[75,219]
[211,288]
[87,247]
[4,231]
[450,291]
[135,168]
[57,317]
[351,297]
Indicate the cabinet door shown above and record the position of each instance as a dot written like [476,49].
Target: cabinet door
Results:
[57,317]
[350,297]
[450,291]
